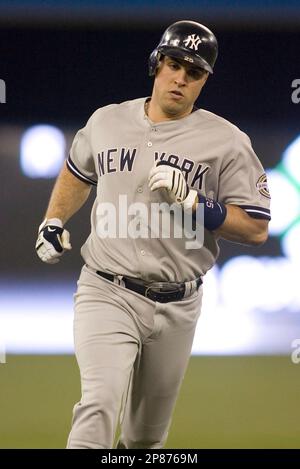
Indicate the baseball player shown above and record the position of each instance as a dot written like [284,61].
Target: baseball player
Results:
[139,292]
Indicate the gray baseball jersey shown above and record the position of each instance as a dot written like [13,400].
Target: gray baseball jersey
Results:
[116,150]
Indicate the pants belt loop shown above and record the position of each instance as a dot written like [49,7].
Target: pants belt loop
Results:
[118,279]
[190,288]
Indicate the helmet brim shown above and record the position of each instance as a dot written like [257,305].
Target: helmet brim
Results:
[185,55]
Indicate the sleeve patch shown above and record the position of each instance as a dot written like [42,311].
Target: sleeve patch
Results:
[262,186]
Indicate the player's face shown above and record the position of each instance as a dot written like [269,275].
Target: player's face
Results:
[177,85]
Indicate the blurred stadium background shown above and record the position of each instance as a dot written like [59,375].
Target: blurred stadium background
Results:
[59,61]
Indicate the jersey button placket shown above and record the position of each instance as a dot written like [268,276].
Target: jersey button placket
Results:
[141,244]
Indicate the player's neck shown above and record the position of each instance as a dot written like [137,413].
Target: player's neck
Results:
[156,114]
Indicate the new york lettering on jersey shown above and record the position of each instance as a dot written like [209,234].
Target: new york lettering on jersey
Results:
[117,160]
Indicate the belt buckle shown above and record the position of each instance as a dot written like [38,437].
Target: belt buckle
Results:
[148,292]
[151,292]
[154,292]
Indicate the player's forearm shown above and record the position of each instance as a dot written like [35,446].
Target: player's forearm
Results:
[239,227]
[68,196]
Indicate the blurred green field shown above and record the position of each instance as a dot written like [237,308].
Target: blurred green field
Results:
[225,402]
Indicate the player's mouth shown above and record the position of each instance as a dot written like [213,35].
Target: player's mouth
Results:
[176,94]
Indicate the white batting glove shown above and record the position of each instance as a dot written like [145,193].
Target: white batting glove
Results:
[53,240]
[171,178]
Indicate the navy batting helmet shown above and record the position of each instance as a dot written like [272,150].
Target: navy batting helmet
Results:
[189,41]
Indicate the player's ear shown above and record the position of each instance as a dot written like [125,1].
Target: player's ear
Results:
[161,59]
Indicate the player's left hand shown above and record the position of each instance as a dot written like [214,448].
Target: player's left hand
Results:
[163,175]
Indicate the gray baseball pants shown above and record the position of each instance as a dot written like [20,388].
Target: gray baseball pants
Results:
[132,355]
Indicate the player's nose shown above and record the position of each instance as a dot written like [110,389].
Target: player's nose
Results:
[181,77]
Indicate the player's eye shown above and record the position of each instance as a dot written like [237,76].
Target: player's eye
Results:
[196,74]
[174,65]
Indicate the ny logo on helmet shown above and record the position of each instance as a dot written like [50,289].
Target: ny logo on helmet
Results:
[192,41]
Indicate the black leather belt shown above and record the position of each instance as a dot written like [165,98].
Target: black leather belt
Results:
[163,292]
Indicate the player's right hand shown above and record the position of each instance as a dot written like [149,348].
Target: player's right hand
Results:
[53,240]
[168,176]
